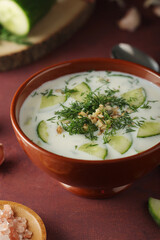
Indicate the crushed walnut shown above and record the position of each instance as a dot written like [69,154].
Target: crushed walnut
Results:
[97,118]
[11,227]
[58,90]
[59,129]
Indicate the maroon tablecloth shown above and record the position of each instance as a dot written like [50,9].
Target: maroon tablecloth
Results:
[66,216]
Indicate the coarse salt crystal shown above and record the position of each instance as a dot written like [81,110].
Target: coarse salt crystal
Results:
[13,228]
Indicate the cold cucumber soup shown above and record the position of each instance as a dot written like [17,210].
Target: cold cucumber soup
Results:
[93,115]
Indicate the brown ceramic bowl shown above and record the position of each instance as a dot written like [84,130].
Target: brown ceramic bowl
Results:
[94,179]
[34,222]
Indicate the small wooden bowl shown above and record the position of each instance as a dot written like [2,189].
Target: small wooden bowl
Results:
[35,223]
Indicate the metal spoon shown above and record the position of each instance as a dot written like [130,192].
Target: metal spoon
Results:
[127,52]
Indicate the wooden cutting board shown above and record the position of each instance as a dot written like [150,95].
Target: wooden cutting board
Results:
[63,20]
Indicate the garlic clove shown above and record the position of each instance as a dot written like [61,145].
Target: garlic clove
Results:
[156,11]
[131,21]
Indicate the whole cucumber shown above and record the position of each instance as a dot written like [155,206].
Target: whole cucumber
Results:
[19,16]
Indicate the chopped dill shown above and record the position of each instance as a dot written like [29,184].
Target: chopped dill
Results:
[47,93]
[68,91]
[153,101]
[75,76]
[104,81]
[69,112]
[133,81]
[71,78]
[146,105]
[34,94]
[10,37]
[78,124]
[111,92]
[51,119]
[92,145]
[87,80]
[128,130]
[152,118]
[119,75]
[50,93]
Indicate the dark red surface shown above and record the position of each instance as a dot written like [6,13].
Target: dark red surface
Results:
[67,216]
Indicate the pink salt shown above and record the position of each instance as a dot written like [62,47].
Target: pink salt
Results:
[11,227]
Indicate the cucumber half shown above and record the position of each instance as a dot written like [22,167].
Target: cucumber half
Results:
[42,131]
[82,90]
[94,149]
[13,18]
[52,100]
[135,97]
[154,209]
[120,143]
[19,16]
[149,129]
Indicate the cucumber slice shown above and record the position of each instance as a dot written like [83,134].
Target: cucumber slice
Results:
[19,16]
[94,149]
[120,143]
[13,18]
[135,97]
[52,100]
[42,131]
[82,90]
[154,209]
[149,129]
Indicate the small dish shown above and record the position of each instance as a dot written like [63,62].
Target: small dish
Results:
[35,223]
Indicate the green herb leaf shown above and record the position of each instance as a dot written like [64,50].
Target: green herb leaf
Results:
[47,93]
[119,75]
[51,119]
[68,91]
[7,36]
[146,105]
[79,122]
[76,126]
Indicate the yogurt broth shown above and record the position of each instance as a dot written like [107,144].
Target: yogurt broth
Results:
[93,115]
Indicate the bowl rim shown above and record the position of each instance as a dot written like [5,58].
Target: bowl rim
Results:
[69,159]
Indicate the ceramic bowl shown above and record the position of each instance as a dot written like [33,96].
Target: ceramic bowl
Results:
[34,222]
[93,179]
